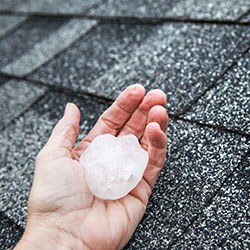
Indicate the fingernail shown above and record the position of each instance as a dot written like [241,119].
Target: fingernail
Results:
[153,126]
[67,108]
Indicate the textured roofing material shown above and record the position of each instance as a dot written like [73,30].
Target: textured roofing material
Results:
[181,59]
[227,104]
[183,9]
[197,52]
[45,45]
[198,162]
[224,223]
[13,103]
[9,22]
[49,6]
[245,18]
[10,232]
[92,55]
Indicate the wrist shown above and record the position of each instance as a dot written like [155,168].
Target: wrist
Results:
[41,238]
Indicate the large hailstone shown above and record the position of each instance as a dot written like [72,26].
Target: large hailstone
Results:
[113,165]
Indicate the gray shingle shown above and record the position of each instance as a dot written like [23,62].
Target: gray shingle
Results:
[210,10]
[228,104]
[55,6]
[43,50]
[91,56]
[9,233]
[9,4]
[246,18]
[33,31]
[191,9]
[130,8]
[226,222]
[181,59]
[9,22]
[198,161]
[16,96]
[3,79]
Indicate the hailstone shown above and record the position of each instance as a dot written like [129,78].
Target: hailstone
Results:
[113,165]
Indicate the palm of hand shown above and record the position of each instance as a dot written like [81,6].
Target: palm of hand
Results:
[60,192]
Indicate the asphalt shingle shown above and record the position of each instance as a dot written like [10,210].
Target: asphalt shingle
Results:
[226,222]
[201,199]
[8,4]
[181,59]
[10,233]
[130,8]
[230,10]
[13,103]
[9,22]
[198,162]
[42,50]
[34,30]
[49,6]
[3,79]
[228,103]
[187,9]
[246,18]
[92,55]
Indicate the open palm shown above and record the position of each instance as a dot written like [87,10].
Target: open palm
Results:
[60,199]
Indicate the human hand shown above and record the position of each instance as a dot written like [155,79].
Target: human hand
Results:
[62,212]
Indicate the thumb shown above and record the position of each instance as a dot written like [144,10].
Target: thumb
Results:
[66,130]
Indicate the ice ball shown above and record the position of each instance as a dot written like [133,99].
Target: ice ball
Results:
[113,165]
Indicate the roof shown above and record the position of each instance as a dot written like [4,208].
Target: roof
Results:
[87,52]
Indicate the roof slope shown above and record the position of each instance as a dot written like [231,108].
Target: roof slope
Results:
[87,52]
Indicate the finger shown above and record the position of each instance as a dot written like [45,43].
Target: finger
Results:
[111,121]
[138,121]
[157,144]
[66,130]
[156,114]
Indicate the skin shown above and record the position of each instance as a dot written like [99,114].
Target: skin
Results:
[62,212]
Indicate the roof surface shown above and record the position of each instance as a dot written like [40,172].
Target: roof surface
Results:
[87,52]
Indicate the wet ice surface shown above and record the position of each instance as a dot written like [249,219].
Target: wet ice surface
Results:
[113,165]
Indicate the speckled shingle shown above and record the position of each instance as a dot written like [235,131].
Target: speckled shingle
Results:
[189,9]
[92,55]
[34,30]
[16,96]
[228,103]
[210,10]
[3,79]
[131,8]
[181,59]
[49,46]
[198,161]
[226,222]
[10,233]
[9,22]
[246,18]
[49,6]
[9,4]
